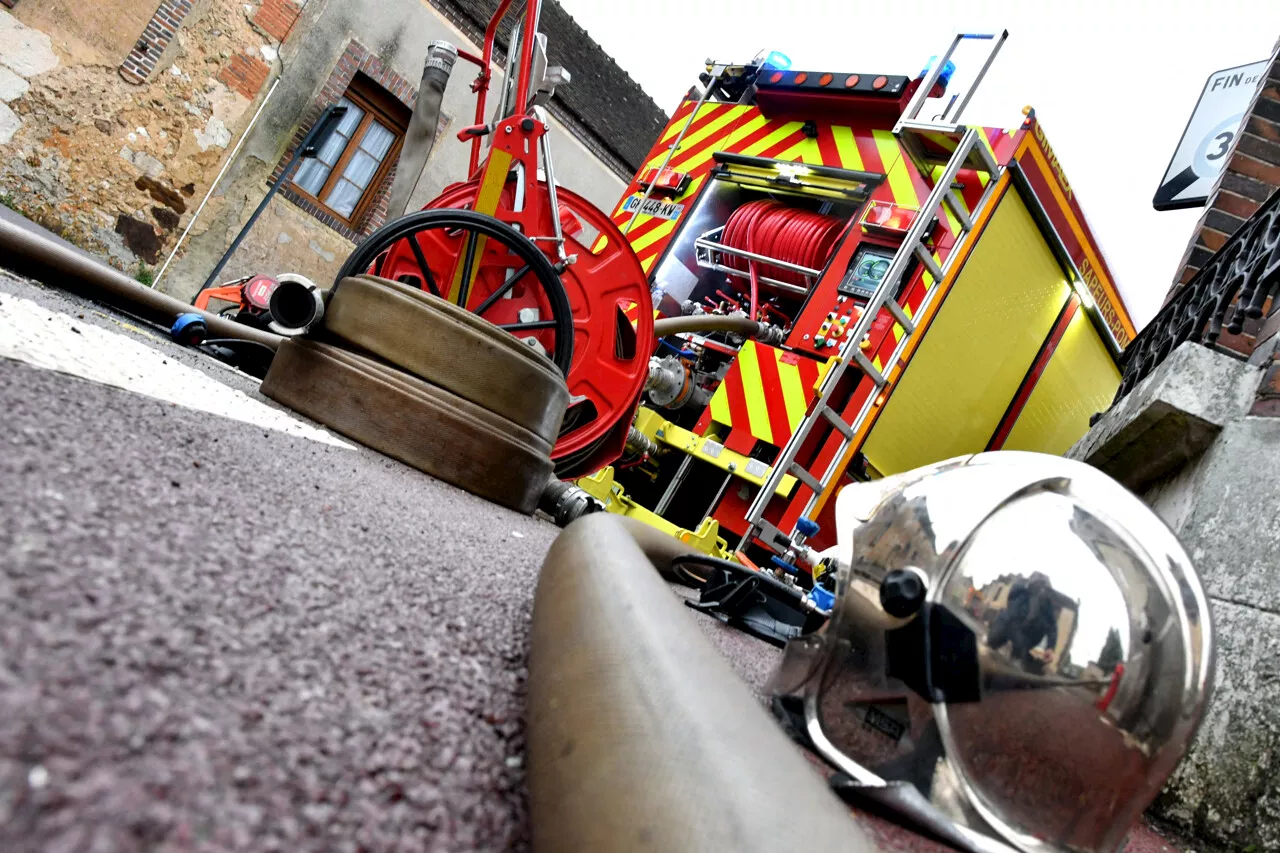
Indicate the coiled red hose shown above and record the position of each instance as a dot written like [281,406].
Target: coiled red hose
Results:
[789,234]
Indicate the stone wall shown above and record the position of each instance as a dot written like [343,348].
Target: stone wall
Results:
[115,166]
[120,166]
[1190,441]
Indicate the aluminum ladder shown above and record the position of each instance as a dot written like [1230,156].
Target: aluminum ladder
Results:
[919,140]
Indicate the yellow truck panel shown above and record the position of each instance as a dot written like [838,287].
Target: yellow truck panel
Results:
[974,357]
[1080,380]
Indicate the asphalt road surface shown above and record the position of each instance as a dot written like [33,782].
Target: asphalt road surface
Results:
[220,629]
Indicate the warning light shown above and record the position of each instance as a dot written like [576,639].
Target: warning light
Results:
[947,71]
[670,183]
[882,217]
[777,59]
[775,77]
[879,82]
[801,78]
[825,79]
[851,81]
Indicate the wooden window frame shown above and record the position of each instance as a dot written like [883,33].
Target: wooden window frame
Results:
[380,105]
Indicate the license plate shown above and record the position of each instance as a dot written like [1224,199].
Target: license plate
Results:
[653,207]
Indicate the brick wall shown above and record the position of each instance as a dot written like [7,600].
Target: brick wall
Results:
[1251,175]
[276,17]
[160,30]
[245,73]
[355,59]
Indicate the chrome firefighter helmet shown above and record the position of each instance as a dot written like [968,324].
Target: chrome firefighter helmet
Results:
[1019,651]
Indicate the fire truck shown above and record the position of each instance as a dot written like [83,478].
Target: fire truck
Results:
[930,289]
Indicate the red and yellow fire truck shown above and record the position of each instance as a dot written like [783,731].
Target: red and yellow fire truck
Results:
[931,289]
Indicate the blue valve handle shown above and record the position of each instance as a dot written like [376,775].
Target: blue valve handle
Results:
[785,566]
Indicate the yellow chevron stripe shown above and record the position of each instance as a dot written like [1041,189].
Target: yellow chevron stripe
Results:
[720,406]
[875,362]
[710,129]
[984,178]
[904,191]
[774,138]
[805,151]
[704,135]
[848,148]
[943,141]
[753,390]
[652,237]
[599,244]
[952,222]
[627,225]
[792,391]
[699,159]
[746,130]
[675,126]
[646,264]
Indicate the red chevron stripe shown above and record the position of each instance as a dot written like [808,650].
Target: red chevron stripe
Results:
[827,147]
[808,377]
[869,150]
[755,136]
[736,397]
[775,150]
[771,387]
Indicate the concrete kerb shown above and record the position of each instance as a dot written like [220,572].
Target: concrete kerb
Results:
[1171,417]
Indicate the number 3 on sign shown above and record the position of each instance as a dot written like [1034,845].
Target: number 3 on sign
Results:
[1222,142]
[1213,150]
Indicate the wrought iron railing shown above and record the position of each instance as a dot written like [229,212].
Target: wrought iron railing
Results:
[1237,280]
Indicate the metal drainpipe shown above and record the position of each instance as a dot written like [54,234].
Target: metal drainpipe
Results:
[216,181]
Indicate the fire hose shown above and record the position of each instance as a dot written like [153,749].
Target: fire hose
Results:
[640,736]
[47,258]
[790,234]
[423,127]
[735,324]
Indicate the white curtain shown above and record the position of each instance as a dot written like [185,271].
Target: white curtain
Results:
[363,165]
[312,174]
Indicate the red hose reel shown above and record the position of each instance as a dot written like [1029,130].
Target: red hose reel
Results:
[776,230]
[606,288]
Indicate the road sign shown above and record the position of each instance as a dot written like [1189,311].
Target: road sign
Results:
[1202,152]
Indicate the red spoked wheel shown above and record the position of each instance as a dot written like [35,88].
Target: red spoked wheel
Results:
[604,288]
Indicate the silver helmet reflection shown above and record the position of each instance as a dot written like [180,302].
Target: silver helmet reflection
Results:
[1017,641]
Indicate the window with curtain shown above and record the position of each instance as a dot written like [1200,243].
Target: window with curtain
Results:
[345,175]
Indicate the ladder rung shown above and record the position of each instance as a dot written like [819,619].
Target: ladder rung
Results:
[802,474]
[901,316]
[930,264]
[957,208]
[838,422]
[869,368]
